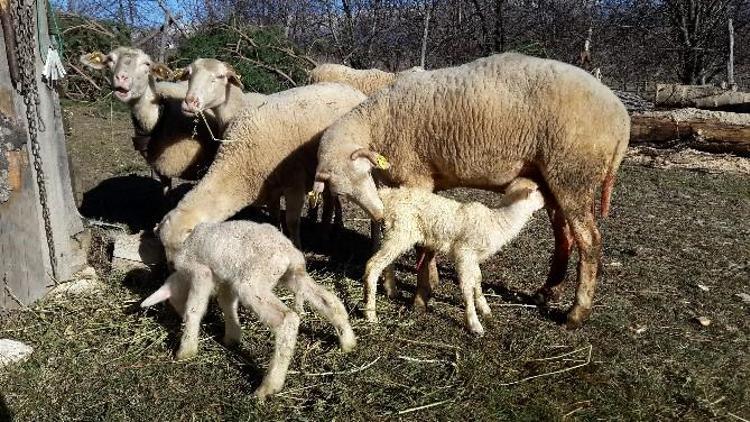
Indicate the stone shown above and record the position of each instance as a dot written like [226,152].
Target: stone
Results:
[12,351]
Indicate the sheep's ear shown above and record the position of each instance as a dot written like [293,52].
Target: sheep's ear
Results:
[160,71]
[375,159]
[96,60]
[164,293]
[234,77]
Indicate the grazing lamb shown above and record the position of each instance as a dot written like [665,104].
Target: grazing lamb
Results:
[468,233]
[163,135]
[242,262]
[214,85]
[368,81]
[481,125]
[269,151]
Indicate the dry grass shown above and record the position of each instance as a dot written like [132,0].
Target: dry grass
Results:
[642,356]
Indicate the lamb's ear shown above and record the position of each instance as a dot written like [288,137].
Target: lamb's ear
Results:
[234,77]
[377,160]
[96,60]
[160,71]
[164,293]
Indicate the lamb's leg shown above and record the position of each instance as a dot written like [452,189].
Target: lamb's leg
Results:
[195,308]
[391,249]
[228,302]
[427,279]
[559,267]
[295,201]
[589,244]
[274,209]
[326,303]
[481,301]
[283,322]
[468,275]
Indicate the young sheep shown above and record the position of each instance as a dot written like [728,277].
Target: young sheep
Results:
[468,233]
[369,81]
[215,86]
[242,262]
[163,135]
[481,125]
[270,151]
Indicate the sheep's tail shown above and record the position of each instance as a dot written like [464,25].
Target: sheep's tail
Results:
[608,183]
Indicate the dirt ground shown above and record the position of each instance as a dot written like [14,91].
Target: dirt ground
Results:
[676,249]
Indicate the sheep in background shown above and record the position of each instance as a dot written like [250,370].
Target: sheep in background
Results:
[481,125]
[268,152]
[468,233]
[368,81]
[216,87]
[163,135]
[242,262]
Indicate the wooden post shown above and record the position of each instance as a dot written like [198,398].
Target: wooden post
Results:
[730,59]
[25,269]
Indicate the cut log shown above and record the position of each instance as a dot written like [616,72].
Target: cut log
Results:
[715,131]
[674,95]
[736,102]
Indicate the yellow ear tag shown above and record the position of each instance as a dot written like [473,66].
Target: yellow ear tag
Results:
[96,58]
[312,199]
[383,163]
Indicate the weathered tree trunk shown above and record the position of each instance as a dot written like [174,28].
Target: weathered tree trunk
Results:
[737,102]
[715,131]
[730,59]
[674,95]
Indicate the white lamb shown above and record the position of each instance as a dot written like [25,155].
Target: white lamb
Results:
[468,233]
[242,261]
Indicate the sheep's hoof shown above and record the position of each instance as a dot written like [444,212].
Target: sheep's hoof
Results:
[347,341]
[231,340]
[371,316]
[477,331]
[576,317]
[484,308]
[187,352]
[419,304]
[262,392]
[545,295]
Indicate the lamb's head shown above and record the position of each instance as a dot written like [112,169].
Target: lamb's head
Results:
[133,71]
[350,175]
[525,192]
[173,229]
[209,84]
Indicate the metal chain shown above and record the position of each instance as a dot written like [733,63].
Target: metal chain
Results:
[24,24]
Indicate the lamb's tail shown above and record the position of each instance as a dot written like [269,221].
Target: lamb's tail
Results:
[608,183]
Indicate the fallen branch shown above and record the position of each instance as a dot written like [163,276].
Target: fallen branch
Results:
[269,67]
[418,408]
[349,372]
[424,343]
[83,74]
[549,374]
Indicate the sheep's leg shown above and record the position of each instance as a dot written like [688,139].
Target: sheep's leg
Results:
[228,302]
[427,279]
[332,209]
[559,267]
[295,201]
[589,244]
[195,308]
[274,209]
[325,303]
[391,249]
[338,214]
[283,322]
[479,299]
[469,275]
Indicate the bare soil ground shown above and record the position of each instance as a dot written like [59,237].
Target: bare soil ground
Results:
[676,249]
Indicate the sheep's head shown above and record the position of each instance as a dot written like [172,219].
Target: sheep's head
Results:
[209,84]
[173,229]
[132,71]
[353,178]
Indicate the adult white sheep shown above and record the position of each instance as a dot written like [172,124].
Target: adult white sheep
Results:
[216,87]
[163,135]
[369,81]
[242,262]
[269,151]
[482,125]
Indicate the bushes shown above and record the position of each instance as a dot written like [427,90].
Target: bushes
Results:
[266,59]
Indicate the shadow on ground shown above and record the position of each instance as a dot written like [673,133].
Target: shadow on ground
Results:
[5,413]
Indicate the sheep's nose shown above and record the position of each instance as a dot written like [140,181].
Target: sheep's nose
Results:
[121,77]
[192,101]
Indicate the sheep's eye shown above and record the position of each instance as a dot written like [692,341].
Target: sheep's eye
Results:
[147,64]
[222,77]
